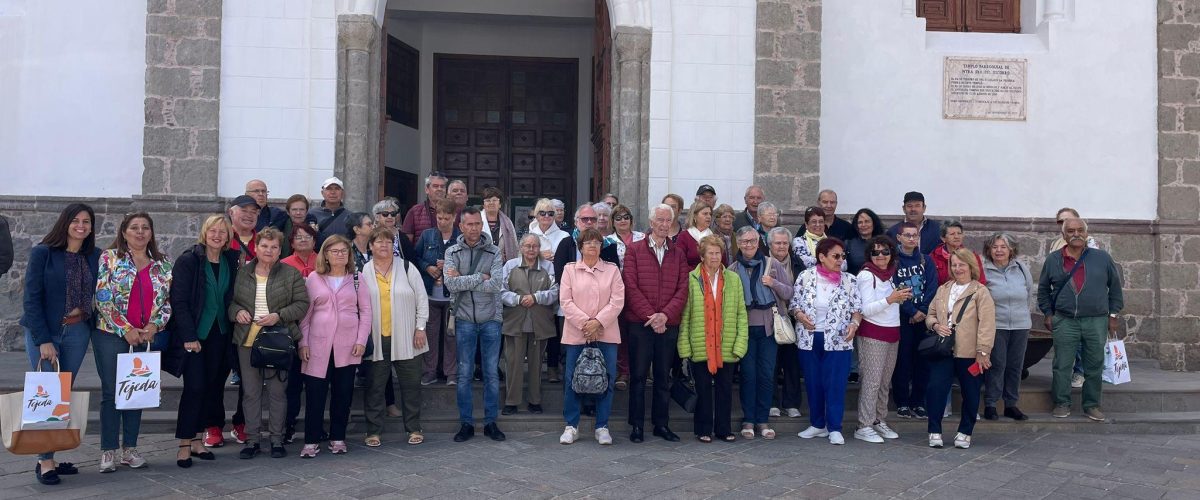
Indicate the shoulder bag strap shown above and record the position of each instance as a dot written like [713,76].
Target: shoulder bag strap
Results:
[965,302]
[1071,274]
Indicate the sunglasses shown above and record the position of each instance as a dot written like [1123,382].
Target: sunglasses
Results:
[545,214]
[587,219]
[837,256]
[877,253]
[623,217]
[389,214]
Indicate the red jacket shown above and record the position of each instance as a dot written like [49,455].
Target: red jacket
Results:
[652,288]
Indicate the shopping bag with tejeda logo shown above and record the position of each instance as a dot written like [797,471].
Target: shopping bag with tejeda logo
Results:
[1116,363]
[47,399]
[138,383]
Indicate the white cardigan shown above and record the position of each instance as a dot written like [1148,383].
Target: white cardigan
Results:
[874,293]
[410,310]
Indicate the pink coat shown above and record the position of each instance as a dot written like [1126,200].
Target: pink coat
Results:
[336,321]
[587,293]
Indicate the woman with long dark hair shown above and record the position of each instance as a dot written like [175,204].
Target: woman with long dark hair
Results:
[60,282]
[132,291]
[866,226]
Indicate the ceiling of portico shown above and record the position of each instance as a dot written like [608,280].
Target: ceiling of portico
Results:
[555,12]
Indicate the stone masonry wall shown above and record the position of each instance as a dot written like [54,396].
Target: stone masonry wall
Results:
[1178,273]
[183,76]
[787,126]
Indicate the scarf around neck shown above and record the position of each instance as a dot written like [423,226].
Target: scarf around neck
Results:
[811,240]
[882,274]
[751,271]
[831,277]
[712,317]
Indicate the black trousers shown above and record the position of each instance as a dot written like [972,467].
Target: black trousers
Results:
[295,385]
[787,360]
[554,345]
[202,399]
[647,349]
[714,400]
[338,384]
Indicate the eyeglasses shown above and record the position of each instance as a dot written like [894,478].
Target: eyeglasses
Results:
[339,251]
[302,237]
[545,214]
[748,241]
[837,256]
[909,236]
[587,220]
[885,252]
[623,217]
[388,214]
[257,191]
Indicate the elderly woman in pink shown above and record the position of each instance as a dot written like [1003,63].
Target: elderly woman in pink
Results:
[335,333]
[591,295]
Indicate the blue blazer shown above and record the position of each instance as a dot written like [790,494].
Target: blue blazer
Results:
[430,249]
[46,290]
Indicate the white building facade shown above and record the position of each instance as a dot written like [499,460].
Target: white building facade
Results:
[172,105]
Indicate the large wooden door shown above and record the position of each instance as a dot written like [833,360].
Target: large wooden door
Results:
[509,123]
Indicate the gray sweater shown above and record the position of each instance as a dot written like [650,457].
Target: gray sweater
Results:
[1101,294]
[475,299]
[1012,290]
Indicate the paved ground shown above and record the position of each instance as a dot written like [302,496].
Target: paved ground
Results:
[534,465]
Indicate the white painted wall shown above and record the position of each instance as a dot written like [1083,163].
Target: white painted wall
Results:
[402,145]
[72,91]
[508,39]
[1089,141]
[702,98]
[278,95]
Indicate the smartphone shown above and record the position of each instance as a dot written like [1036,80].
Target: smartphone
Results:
[975,369]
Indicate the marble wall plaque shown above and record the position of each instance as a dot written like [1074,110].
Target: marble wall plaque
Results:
[984,89]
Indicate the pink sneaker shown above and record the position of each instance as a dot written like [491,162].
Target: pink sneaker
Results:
[337,447]
[310,451]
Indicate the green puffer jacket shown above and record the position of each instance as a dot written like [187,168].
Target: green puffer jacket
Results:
[734,328]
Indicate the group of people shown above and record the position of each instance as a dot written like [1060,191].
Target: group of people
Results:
[703,297]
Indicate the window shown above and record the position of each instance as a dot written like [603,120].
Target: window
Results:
[982,16]
[402,61]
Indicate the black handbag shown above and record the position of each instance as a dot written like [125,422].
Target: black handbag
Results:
[683,394]
[935,347]
[273,349]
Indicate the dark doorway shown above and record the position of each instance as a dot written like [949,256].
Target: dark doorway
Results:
[509,123]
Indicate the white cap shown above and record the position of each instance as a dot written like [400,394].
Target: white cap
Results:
[330,181]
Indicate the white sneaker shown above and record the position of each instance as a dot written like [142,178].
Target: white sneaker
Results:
[774,412]
[131,457]
[813,432]
[793,413]
[569,435]
[835,437]
[1077,380]
[935,440]
[602,436]
[108,461]
[962,441]
[867,434]
[882,429]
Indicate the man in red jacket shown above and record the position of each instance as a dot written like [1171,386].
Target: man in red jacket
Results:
[655,276]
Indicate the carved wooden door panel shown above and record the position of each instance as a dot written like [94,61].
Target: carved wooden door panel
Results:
[993,16]
[509,123]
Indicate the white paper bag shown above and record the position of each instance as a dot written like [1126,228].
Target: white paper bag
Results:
[139,380]
[47,400]
[1116,363]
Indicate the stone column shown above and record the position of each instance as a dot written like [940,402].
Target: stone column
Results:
[787,124]
[630,136]
[183,76]
[1179,184]
[356,146]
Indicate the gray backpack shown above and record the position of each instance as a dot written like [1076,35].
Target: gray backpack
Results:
[591,373]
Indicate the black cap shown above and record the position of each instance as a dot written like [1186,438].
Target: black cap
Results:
[705,188]
[914,196]
[243,200]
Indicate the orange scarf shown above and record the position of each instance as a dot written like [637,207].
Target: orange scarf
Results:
[712,318]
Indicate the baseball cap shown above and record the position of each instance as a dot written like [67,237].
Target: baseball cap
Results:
[331,181]
[914,196]
[243,200]
[705,188]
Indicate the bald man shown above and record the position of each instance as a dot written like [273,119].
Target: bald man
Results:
[267,215]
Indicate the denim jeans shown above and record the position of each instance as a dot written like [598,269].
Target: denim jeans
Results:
[825,374]
[941,373]
[603,401]
[71,342]
[114,423]
[758,376]
[487,337]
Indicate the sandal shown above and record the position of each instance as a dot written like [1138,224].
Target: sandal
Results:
[729,439]
[186,462]
[204,454]
[704,439]
[416,438]
[767,432]
[748,431]
[372,441]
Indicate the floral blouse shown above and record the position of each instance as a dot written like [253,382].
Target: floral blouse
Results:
[842,305]
[114,286]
